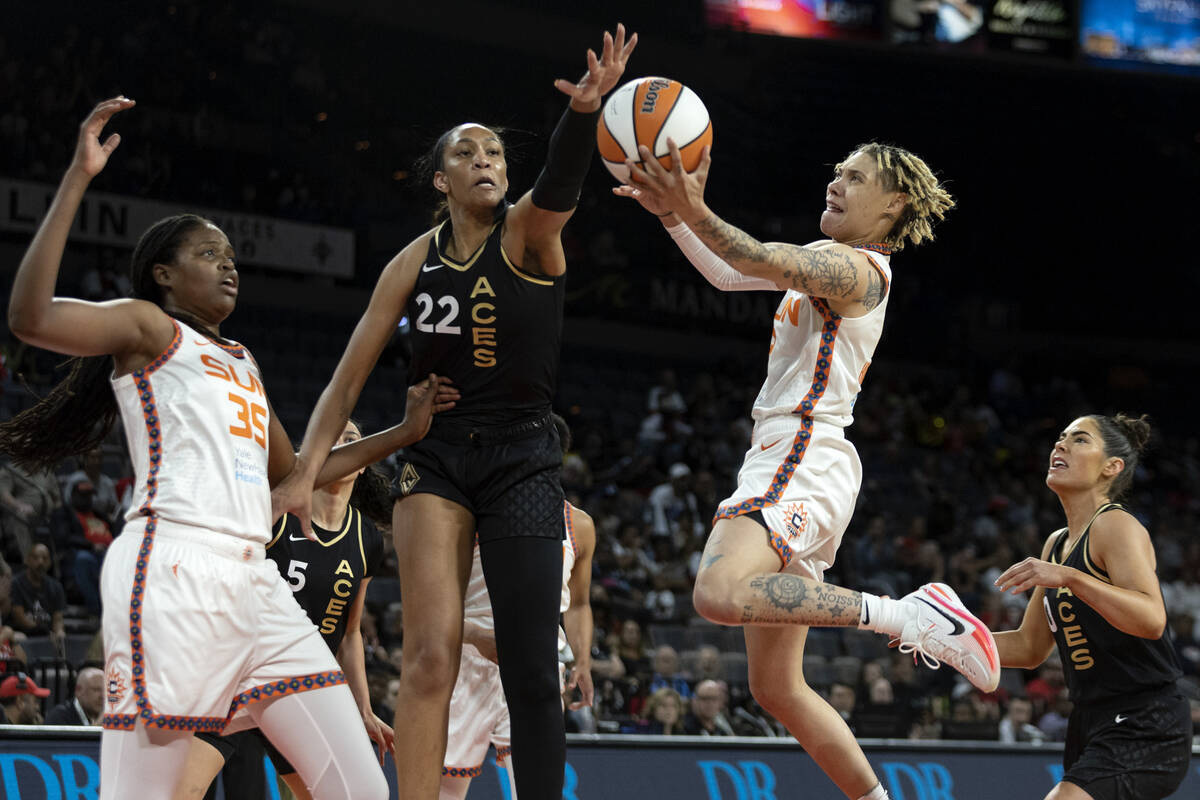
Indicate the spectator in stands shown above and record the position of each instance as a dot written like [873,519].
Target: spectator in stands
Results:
[1053,724]
[105,501]
[668,503]
[1017,723]
[38,598]
[708,665]
[89,536]
[665,392]
[631,648]
[843,698]
[707,717]
[663,711]
[19,704]
[87,706]
[26,502]
[667,674]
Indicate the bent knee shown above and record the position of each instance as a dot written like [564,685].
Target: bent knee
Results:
[713,599]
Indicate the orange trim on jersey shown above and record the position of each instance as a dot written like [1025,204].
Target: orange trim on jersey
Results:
[462,772]
[286,686]
[824,365]
[570,527]
[141,380]
[501,754]
[164,356]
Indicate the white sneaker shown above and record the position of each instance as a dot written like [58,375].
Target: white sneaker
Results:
[942,630]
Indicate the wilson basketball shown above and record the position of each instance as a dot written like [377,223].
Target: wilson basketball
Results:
[648,111]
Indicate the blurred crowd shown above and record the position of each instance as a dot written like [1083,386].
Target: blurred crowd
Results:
[953,492]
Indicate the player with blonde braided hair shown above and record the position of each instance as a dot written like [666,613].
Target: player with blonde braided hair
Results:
[773,539]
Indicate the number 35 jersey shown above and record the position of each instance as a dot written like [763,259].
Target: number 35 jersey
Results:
[491,327]
[326,575]
[196,421]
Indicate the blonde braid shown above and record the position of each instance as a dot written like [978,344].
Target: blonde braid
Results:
[928,201]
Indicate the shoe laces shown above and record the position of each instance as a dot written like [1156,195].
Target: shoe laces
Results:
[924,642]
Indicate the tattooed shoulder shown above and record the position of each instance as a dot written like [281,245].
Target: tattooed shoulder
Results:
[875,290]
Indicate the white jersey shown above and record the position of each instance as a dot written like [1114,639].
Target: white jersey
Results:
[818,358]
[196,420]
[477,605]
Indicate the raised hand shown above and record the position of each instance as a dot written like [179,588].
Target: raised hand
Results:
[602,74]
[90,154]
[661,190]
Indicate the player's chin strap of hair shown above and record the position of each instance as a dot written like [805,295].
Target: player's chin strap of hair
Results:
[567,162]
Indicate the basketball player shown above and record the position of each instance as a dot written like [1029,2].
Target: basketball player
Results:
[485,292]
[329,578]
[196,624]
[773,539]
[1096,597]
[478,713]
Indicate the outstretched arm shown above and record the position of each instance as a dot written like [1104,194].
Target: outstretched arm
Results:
[833,271]
[294,494]
[65,325]
[352,659]
[534,223]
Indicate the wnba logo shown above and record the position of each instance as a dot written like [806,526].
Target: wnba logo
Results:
[651,98]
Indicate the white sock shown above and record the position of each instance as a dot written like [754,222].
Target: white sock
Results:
[883,615]
[878,793]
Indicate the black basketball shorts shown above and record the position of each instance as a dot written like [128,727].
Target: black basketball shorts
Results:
[1131,748]
[507,476]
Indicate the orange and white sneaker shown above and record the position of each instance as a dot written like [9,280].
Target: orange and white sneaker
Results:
[942,630]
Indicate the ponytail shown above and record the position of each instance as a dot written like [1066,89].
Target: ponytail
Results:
[1125,438]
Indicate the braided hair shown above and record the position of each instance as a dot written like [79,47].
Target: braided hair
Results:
[80,410]
[928,201]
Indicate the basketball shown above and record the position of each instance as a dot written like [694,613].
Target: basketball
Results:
[648,111]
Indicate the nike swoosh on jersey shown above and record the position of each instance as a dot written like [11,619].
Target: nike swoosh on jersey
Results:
[430,267]
[200,342]
[1119,719]
[958,626]
[294,538]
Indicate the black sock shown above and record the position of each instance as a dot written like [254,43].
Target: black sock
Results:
[524,580]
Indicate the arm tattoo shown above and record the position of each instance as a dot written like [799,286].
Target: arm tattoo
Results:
[874,295]
[730,243]
[708,562]
[821,273]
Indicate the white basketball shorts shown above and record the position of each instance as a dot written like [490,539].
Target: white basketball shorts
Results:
[199,625]
[804,477]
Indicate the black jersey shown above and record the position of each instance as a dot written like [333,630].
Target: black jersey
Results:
[326,575]
[1099,661]
[491,327]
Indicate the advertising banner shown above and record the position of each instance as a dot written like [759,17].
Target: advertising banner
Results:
[118,220]
[663,768]
[813,19]
[1161,32]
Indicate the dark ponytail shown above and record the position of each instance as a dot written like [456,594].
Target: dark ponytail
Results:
[1124,438]
[80,411]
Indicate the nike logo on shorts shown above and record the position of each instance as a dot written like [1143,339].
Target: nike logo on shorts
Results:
[772,444]
[1119,719]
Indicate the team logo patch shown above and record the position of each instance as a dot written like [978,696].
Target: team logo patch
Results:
[797,519]
[408,478]
[116,686]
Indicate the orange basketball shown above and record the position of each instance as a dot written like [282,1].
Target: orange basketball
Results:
[648,111]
